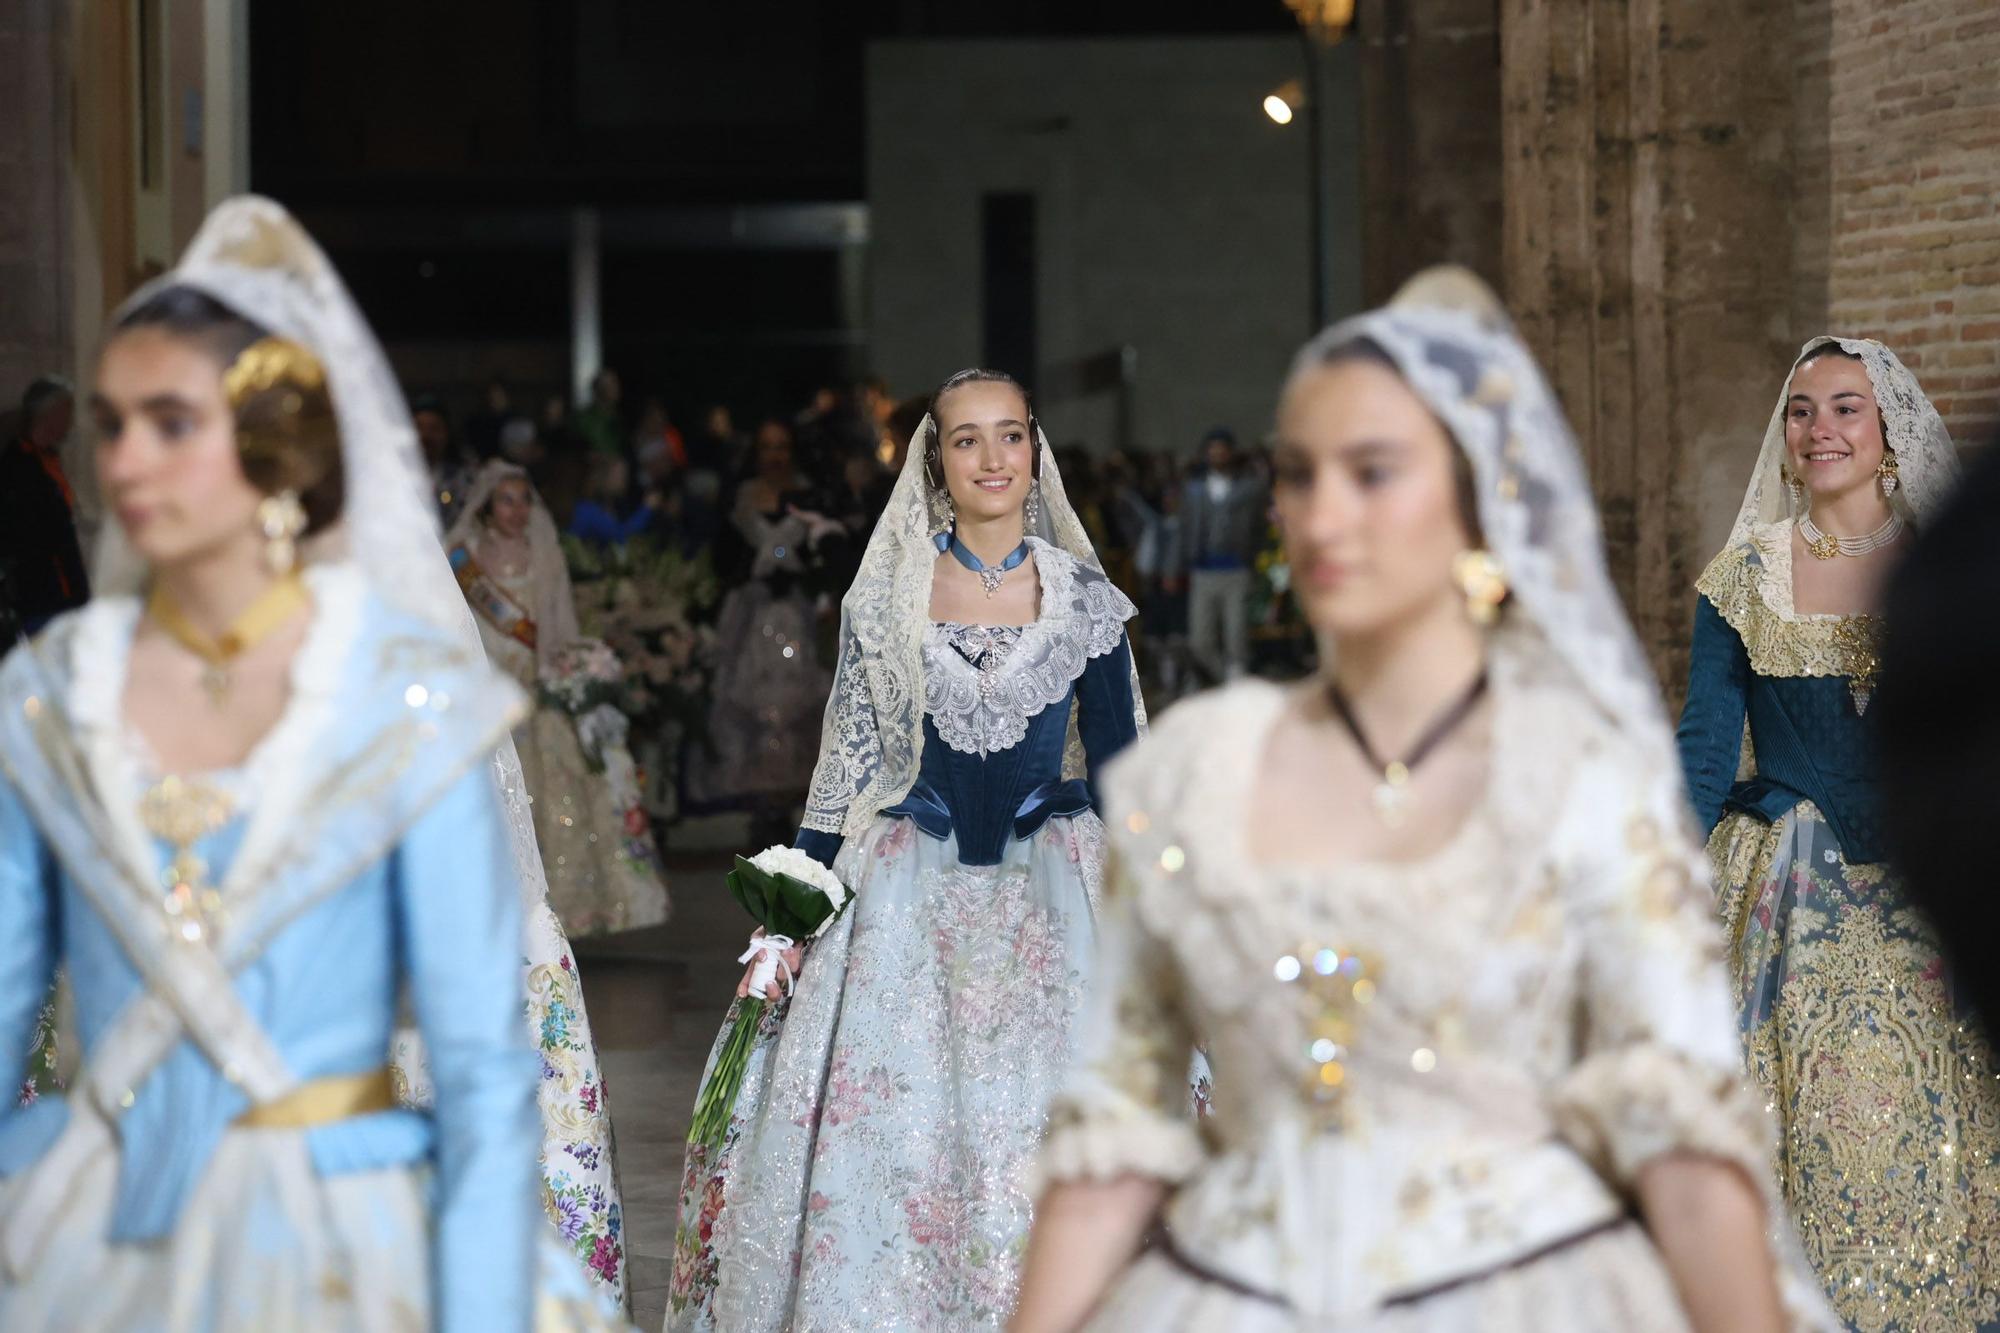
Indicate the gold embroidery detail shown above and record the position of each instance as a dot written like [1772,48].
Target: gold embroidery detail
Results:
[1891,1114]
[181,812]
[1790,646]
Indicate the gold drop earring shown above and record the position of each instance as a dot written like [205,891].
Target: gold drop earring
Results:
[1482,583]
[282,519]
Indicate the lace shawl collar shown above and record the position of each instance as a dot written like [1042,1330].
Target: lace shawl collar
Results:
[984,711]
[1750,584]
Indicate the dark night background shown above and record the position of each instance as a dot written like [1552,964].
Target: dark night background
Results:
[388,126]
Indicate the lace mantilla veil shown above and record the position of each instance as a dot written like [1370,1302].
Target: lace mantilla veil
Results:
[1449,337]
[1453,344]
[872,739]
[1926,465]
[254,258]
[554,600]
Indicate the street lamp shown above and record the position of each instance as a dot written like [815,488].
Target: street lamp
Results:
[1321,24]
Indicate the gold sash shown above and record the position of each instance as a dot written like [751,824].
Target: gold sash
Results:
[491,600]
[322,1101]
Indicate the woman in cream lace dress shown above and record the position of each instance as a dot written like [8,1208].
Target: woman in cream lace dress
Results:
[1436,912]
[597,846]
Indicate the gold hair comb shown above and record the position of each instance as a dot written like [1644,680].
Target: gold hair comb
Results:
[269,362]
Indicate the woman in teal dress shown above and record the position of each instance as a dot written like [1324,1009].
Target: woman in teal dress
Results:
[1884,1088]
[252,796]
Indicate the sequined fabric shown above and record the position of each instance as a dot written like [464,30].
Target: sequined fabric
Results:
[770,688]
[1750,583]
[1890,1152]
[873,1176]
[603,871]
[1540,1011]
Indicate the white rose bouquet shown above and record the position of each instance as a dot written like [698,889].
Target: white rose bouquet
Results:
[793,898]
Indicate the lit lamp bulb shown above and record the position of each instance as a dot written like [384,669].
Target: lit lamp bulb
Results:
[1278,109]
[1283,102]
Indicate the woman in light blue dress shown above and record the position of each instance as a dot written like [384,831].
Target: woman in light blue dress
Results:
[870,1178]
[248,801]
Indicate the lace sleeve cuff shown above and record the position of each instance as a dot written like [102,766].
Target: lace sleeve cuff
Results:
[1104,1143]
[1623,1107]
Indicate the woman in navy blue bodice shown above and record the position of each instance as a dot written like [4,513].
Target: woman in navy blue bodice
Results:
[1889,1154]
[872,1176]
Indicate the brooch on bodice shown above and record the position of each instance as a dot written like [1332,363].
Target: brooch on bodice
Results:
[181,812]
[1339,988]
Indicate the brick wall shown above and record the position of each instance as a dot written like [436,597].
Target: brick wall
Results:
[1913,143]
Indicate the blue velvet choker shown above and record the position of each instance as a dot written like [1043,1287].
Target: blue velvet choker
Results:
[989,575]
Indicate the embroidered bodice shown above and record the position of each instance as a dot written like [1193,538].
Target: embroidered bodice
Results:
[1798,683]
[1425,1071]
[366,828]
[999,702]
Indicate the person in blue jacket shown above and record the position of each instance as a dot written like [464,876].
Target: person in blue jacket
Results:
[984,676]
[249,799]
[1885,1092]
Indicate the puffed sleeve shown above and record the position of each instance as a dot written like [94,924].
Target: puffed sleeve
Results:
[461,925]
[1124,1108]
[1660,1065]
[1659,1068]
[28,944]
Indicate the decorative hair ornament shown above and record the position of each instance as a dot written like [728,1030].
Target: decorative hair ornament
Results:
[268,363]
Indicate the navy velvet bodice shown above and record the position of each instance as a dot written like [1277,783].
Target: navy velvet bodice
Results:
[1809,742]
[988,800]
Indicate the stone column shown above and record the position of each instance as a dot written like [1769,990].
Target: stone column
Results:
[1648,252]
[1430,152]
[35,326]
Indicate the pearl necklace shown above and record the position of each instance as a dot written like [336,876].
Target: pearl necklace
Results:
[1825,546]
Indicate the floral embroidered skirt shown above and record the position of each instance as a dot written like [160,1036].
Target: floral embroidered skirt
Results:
[1884,1086]
[873,1175]
[266,1242]
[579,1160]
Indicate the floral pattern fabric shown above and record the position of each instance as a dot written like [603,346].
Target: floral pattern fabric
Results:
[1886,1089]
[874,1174]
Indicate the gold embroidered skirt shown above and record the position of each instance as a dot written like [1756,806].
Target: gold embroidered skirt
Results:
[1884,1086]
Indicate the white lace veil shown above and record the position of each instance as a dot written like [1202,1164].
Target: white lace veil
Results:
[1926,465]
[554,601]
[251,256]
[1454,345]
[872,739]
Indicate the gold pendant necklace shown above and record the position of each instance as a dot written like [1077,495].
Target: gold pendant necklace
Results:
[271,609]
[182,812]
[1391,795]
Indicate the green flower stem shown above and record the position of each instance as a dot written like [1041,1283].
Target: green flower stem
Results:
[718,1096]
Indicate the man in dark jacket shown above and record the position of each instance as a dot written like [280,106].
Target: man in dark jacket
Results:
[1224,521]
[41,564]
